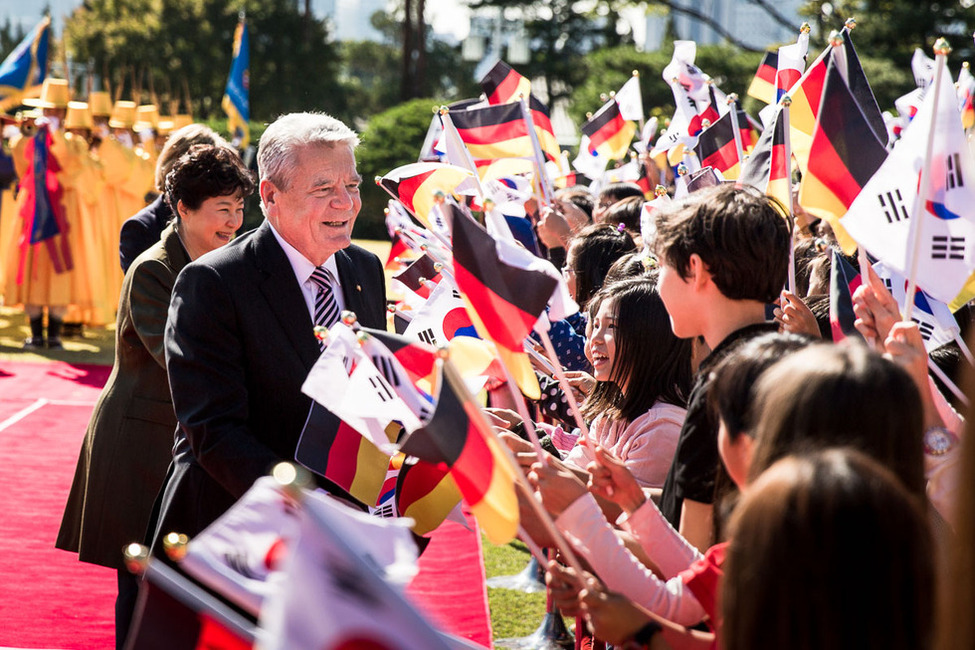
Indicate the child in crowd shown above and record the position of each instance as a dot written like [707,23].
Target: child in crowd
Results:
[642,376]
[723,254]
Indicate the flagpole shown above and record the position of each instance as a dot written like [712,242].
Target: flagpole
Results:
[736,126]
[940,374]
[964,349]
[786,102]
[544,184]
[941,50]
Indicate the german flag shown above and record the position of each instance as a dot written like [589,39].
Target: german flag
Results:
[767,168]
[716,148]
[808,92]
[543,129]
[506,300]
[609,134]
[763,85]
[503,167]
[426,493]
[331,448]
[457,437]
[502,84]
[844,154]
[806,95]
[492,132]
[424,268]
[416,185]
[843,281]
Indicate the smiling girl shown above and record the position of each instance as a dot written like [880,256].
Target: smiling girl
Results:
[643,375]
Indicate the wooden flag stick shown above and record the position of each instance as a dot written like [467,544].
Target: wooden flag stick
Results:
[544,183]
[786,102]
[941,50]
[522,408]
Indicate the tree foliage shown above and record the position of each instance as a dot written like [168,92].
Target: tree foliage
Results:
[891,29]
[392,138]
[293,65]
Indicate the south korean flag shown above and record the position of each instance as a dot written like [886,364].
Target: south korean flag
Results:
[880,217]
[935,321]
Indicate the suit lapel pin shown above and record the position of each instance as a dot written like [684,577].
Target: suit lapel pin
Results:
[358,287]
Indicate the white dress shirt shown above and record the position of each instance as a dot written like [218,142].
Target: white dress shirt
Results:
[303,270]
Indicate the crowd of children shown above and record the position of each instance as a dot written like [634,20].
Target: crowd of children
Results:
[745,483]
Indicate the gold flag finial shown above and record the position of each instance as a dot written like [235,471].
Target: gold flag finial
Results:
[786,101]
[292,479]
[660,190]
[804,28]
[136,558]
[175,546]
[942,47]
[851,23]
[835,38]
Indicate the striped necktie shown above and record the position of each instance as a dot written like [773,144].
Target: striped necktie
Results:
[326,308]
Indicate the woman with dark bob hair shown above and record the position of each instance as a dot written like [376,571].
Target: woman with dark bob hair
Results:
[128,444]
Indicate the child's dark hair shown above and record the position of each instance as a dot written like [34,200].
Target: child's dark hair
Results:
[790,578]
[655,364]
[631,265]
[842,394]
[206,171]
[620,191]
[741,235]
[627,212]
[594,250]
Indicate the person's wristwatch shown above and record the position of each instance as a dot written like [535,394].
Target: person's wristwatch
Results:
[938,441]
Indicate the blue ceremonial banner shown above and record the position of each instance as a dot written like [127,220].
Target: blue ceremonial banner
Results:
[26,66]
[236,102]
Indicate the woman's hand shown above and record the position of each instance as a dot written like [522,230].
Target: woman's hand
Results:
[610,479]
[504,418]
[558,486]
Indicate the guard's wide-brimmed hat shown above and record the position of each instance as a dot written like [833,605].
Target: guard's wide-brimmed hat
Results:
[54,94]
[100,103]
[123,115]
[79,116]
[146,117]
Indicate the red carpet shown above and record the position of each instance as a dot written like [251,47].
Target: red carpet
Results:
[50,600]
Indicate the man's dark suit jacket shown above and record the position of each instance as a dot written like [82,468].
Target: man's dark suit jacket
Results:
[239,344]
[142,230]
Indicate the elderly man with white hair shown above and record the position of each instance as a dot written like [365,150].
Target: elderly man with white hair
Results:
[240,336]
